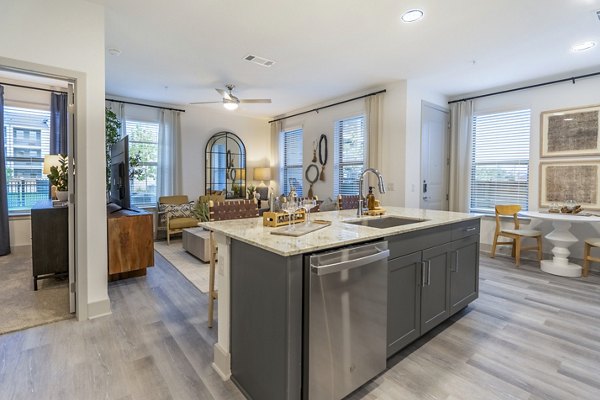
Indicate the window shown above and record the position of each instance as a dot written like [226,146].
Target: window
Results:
[500,160]
[143,156]
[349,157]
[290,151]
[27,141]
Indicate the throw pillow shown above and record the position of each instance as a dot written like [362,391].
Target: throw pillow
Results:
[176,211]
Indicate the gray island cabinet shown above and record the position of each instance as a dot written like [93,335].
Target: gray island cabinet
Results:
[264,279]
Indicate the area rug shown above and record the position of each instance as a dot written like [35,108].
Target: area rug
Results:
[194,270]
[22,307]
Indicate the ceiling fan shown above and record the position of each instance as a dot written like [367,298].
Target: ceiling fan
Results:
[230,101]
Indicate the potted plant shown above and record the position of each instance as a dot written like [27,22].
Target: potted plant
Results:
[112,136]
[59,177]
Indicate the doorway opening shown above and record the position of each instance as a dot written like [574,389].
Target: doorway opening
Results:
[38,118]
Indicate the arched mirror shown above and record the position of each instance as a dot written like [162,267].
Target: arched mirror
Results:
[226,166]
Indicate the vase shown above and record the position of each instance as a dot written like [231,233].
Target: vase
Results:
[62,195]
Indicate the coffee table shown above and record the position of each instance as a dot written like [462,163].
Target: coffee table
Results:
[196,241]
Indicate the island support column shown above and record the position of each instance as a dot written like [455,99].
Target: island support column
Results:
[222,357]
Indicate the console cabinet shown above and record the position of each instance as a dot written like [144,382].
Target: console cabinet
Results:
[130,243]
[432,274]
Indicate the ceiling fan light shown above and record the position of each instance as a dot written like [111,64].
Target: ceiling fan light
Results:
[230,105]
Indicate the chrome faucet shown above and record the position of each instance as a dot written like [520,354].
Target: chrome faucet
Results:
[359,210]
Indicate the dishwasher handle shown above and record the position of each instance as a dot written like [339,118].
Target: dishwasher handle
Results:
[349,264]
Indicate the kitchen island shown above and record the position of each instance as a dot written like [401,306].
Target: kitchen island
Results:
[264,290]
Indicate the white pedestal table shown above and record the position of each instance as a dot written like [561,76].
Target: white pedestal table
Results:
[561,237]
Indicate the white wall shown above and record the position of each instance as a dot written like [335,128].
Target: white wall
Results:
[565,95]
[401,158]
[199,123]
[68,40]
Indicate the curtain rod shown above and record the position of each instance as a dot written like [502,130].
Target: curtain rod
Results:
[330,105]
[143,105]
[572,79]
[32,87]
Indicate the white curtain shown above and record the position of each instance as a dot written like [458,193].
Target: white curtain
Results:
[169,153]
[374,156]
[119,109]
[461,129]
[275,130]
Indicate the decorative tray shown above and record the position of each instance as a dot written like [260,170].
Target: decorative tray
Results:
[302,229]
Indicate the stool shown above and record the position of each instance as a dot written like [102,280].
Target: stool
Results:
[587,249]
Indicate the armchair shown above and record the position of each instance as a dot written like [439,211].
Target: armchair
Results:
[175,212]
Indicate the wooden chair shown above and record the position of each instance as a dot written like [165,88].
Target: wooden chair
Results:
[587,257]
[348,202]
[174,225]
[220,211]
[515,235]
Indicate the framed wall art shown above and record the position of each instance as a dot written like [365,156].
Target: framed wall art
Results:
[579,181]
[571,132]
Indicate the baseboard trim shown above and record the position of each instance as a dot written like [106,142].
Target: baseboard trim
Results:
[99,309]
[222,362]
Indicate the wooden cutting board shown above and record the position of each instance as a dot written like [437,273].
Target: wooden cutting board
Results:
[302,229]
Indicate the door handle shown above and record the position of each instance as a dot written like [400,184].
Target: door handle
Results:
[428,272]
[425,198]
[455,261]
[423,273]
[424,186]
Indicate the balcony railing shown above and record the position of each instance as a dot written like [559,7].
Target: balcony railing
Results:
[24,193]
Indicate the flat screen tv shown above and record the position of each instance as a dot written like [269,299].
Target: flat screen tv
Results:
[119,174]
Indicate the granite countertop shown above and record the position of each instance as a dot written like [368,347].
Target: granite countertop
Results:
[339,233]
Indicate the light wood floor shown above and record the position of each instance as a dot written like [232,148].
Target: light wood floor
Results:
[529,336]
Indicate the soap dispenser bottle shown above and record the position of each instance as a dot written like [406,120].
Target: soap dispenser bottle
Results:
[371,199]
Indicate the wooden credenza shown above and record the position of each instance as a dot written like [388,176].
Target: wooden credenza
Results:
[130,243]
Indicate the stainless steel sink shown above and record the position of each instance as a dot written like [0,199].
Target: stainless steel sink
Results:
[385,222]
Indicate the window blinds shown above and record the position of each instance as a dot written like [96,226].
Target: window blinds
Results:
[349,138]
[291,171]
[500,160]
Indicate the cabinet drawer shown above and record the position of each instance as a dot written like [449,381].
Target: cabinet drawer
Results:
[410,242]
[465,228]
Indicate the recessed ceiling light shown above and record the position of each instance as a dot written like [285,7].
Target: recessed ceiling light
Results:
[583,46]
[412,15]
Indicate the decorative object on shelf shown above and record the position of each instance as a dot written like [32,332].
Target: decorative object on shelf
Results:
[262,174]
[279,218]
[323,150]
[250,189]
[59,176]
[562,181]
[314,159]
[571,132]
[311,178]
[225,166]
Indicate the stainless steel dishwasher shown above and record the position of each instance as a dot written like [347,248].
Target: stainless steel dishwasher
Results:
[347,319]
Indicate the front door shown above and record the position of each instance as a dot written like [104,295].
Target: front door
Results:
[435,142]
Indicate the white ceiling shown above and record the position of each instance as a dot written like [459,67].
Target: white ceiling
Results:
[178,51]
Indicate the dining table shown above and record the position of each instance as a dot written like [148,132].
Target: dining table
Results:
[562,238]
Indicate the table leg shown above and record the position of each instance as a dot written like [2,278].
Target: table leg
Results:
[561,237]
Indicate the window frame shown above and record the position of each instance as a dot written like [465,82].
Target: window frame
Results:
[132,141]
[285,167]
[339,163]
[517,166]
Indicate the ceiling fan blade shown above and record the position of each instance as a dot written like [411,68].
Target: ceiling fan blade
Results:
[255,100]
[207,102]
[223,93]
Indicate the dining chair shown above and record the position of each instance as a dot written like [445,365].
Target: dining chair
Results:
[587,256]
[516,234]
[348,202]
[220,211]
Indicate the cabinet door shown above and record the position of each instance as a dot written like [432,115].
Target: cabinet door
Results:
[435,285]
[464,273]
[404,292]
